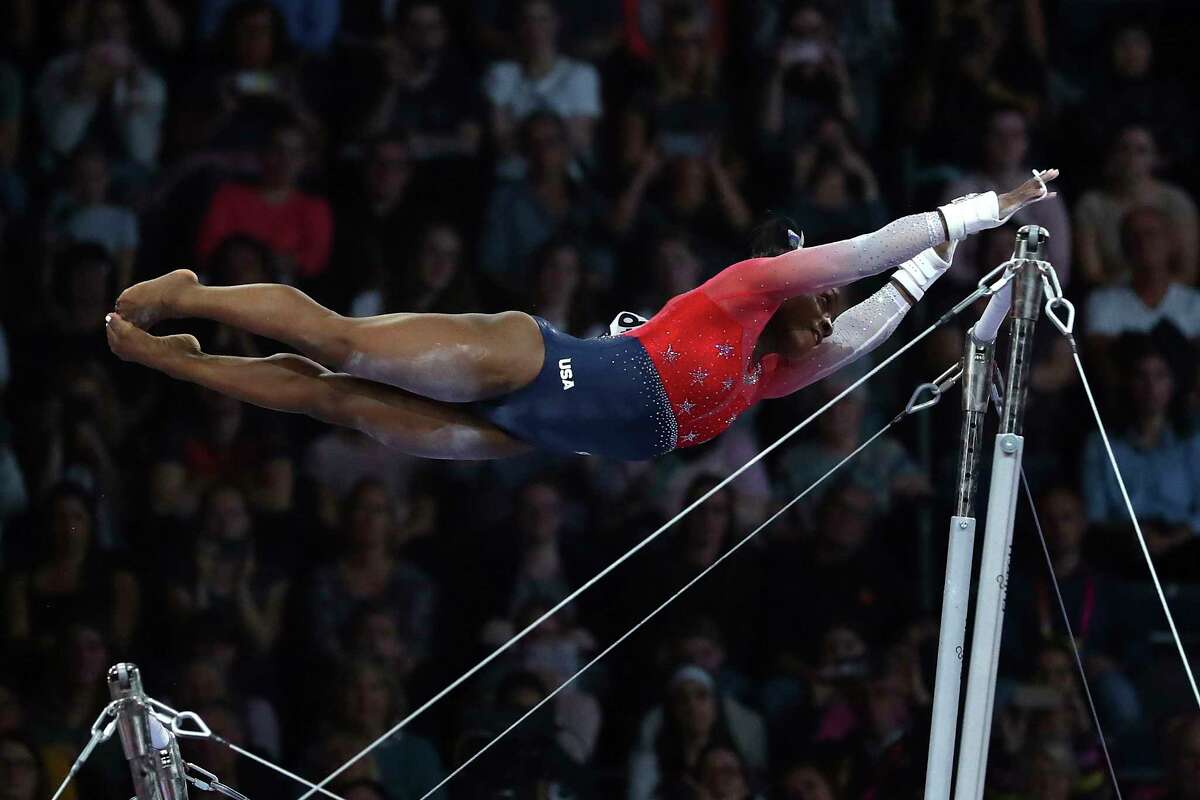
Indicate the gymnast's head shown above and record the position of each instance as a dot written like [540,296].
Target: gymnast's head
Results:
[803,321]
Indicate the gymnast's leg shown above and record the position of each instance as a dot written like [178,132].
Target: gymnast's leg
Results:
[415,425]
[450,357]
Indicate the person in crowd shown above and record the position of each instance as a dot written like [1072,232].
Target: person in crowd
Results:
[469,359]
[541,79]
[806,781]
[426,90]
[1153,294]
[225,575]
[369,572]
[437,282]
[365,702]
[251,80]
[1183,762]
[104,91]
[561,287]
[296,225]
[692,719]
[311,24]
[1005,151]
[1157,457]
[524,214]
[68,578]
[22,776]
[205,683]
[1130,181]
[816,703]
[84,214]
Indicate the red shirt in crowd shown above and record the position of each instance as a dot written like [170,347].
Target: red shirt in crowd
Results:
[300,227]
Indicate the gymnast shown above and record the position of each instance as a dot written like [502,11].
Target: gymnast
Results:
[483,386]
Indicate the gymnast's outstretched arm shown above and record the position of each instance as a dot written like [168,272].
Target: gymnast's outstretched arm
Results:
[759,281]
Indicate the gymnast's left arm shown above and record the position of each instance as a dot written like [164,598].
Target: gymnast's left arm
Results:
[862,328]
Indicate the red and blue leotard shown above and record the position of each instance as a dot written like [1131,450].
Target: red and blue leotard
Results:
[686,375]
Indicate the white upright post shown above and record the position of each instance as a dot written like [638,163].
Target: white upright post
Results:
[997,542]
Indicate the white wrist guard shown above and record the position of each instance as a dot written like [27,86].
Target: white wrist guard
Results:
[918,273]
[972,214]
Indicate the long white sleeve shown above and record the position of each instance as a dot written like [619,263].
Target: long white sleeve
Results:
[858,331]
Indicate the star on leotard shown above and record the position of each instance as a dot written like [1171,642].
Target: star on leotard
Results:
[688,437]
[698,375]
[686,407]
[731,420]
[670,355]
[727,384]
[752,377]
[725,350]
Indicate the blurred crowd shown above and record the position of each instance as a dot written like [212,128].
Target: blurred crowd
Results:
[302,587]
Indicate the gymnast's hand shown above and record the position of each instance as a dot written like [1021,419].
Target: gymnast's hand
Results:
[1028,193]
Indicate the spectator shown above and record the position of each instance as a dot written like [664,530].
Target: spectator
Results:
[22,776]
[722,775]
[560,291]
[1129,181]
[674,735]
[337,460]
[79,291]
[836,575]
[374,634]
[815,703]
[1157,460]
[1092,605]
[84,214]
[366,702]
[1184,759]
[541,79]
[523,215]
[223,577]
[437,280]
[886,471]
[1152,295]
[104,91]
[1005,150]
[205,683]
[294,224]
[679,115]
[834,193]
[219,759]
[67,578]
[808,79]
[367,572]
[806,782]
[311,24]
[426,91]
[251,83]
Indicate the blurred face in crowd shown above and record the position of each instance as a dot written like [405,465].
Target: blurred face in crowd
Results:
[388,172]
[86,655]
[846,520]
[91,178]
[379,637]
[1007,141]
[440,257]
[426,34]
[1134,155]
[1056,669]
[226,516]
[1149,242]
[559,277]
[722,775]
[110,23]
[806,783]
[284,159]
[367,699]
[1066,524]
[537,29]
[830,187]
[539,515]
[254,41]
[709,525]
[703,651]
[1185,766]
[887,706]
[1049,776]
[70,527]
[694,708]
[676,267]
[1132,53]
[12,716]
[371,519]
[1153,386]
[840,645]
[684,43]
[546,147]
[18,771]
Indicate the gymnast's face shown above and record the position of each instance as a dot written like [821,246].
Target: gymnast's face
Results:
[807,321]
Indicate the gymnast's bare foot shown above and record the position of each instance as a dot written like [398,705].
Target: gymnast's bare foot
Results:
[130,343]
[149,302]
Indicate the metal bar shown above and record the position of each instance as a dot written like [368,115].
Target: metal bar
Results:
[998,530]
[151,750]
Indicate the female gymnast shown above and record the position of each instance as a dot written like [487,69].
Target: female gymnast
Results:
[481,386]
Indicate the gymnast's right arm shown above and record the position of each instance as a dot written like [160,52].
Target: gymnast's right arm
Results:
[814,269]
